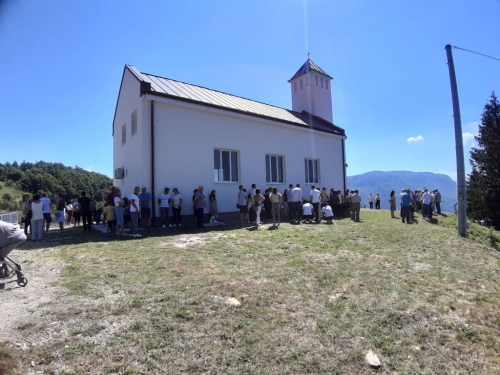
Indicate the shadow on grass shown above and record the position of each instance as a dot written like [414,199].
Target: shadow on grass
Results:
[76,236]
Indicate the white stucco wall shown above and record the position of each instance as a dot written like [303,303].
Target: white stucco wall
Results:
[133,156]
[313,99]
[187,134]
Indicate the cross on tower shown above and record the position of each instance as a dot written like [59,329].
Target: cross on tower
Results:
[308,53]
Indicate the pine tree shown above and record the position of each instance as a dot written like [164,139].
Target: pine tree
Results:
[483,188]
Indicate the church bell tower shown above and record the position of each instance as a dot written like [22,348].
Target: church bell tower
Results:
[311,91]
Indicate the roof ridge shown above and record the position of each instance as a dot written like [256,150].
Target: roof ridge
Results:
[222,92]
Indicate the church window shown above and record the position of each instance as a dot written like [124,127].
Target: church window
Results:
[133,121]
[321,82]
[301,84]
[124,133]
[307,81]
[225,166]
[312,171]
[295,86]
[326,84]
[316,80]
[274,169]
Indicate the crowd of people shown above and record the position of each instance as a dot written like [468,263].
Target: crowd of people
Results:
[255,207]
[36,213]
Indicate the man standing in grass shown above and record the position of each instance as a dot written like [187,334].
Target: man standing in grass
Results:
[134,213]
[85,211]
[426,204]
[406,202]
[314,198]
[289,200]
[242,206]
[145,202]
[200,204]
[356,205]
[296,195]
[164,201]
[437,201]
[46,212]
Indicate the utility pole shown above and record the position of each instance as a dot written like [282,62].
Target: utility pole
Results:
[459,146]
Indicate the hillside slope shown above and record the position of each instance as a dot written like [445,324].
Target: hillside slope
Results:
[383,182]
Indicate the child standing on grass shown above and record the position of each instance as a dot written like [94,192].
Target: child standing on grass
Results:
[109,215]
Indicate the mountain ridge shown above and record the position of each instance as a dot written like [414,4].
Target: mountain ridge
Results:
[383,182]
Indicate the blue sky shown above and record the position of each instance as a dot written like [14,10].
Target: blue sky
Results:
[62,63]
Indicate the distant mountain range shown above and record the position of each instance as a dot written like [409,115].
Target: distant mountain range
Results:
[383,182]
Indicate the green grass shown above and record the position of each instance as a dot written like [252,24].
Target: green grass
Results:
[314,299]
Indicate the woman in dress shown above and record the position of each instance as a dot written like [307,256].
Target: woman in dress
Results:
[36,218]
[392,202]
[257,200]
[118,202]
[69,212]
[212,204]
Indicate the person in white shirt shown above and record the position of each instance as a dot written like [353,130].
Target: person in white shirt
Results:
[314,198]
[296,196]
[307,212]
[164,200]
[134,213]
[176,207]
[327,213]
[36,218]
[356,205]
[370,199]
[426,204]
[46,211]
[253,191]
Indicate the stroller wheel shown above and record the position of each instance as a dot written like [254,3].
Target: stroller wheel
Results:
[22,282]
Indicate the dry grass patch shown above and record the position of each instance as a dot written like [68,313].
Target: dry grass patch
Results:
[314,299]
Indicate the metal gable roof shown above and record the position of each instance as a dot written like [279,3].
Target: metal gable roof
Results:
[307,67]
[187,92]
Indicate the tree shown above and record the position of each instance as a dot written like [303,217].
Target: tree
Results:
[483,187]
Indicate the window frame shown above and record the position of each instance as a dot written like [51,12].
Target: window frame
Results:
[316,175]
[133,124]
[220,174]
[271,182]
[124,133]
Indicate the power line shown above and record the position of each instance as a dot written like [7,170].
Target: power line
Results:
[477,53]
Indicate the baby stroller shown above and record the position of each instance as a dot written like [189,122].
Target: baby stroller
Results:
[10,238]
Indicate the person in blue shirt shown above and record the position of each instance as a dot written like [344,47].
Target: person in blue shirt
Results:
[406,209]
[145,202]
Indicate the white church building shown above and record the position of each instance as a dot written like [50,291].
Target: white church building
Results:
[173,134]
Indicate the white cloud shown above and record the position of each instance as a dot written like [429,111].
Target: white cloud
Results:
[415,139]
[89,168]
[472,127]
[468,137]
